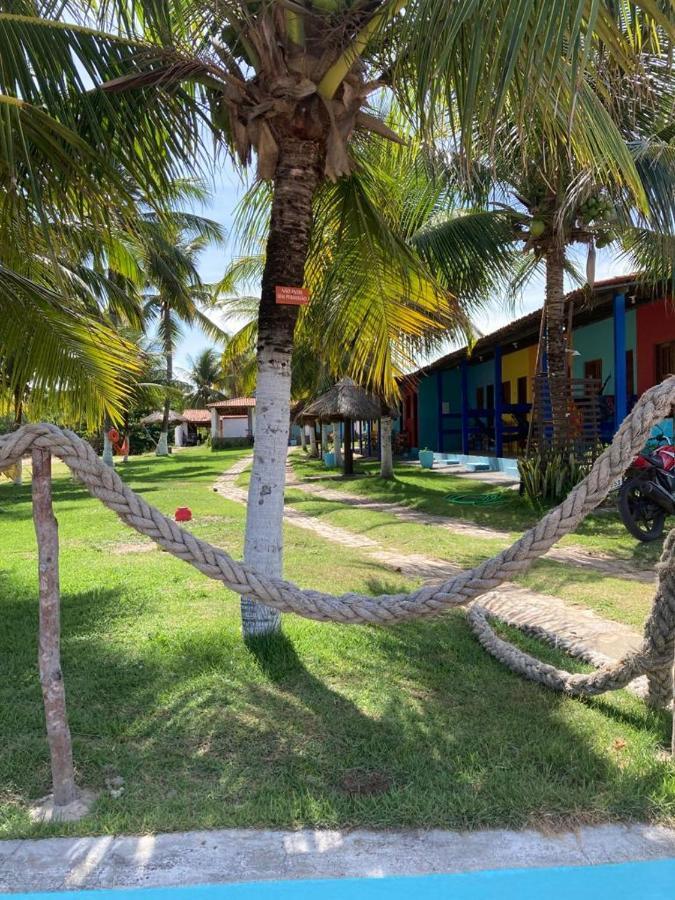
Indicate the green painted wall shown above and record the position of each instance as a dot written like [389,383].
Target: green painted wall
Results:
[452,403]
[427,412]
[480,375]
[427,409]
[596,341]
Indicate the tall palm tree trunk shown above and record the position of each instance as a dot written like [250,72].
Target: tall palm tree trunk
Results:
[163,445]
[107,456]
[17,472]
[386,461]
[313,449]
[296,180]
[556,345]
[337,445]
[127,436]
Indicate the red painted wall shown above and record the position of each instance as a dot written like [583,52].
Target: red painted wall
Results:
[409,410]
[655,325]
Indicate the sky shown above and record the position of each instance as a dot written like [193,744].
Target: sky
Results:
[227,189]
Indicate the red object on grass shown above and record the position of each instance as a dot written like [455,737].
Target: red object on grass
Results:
[183,514]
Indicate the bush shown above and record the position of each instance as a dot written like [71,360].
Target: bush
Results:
[548,476]
[228,443]
[7,424]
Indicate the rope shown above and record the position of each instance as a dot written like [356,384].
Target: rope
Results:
[654,405]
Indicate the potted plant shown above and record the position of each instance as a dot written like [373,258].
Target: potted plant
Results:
[427,458]
[329,459]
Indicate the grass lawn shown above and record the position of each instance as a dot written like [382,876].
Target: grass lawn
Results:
[615,598]
[328,726]
[428,491]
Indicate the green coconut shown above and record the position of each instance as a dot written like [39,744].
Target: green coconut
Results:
[537,228]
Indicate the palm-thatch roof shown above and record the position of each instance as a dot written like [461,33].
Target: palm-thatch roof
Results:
[346,400]
[156,418]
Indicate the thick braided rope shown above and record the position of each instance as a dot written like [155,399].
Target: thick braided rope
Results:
[654,658]
[104,483]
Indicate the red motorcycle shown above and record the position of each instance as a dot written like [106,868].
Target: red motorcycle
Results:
[647,494]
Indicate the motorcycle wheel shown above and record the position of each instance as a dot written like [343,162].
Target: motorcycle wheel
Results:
[643,518]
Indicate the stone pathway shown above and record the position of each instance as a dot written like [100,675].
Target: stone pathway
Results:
[575,629]
[602,563]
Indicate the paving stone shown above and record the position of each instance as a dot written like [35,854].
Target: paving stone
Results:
[575,629]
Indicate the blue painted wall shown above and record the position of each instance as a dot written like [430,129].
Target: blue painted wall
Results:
[595,341]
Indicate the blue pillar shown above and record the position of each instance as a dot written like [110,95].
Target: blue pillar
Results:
[499,425]
[620,396]
[439,402]
[464,374]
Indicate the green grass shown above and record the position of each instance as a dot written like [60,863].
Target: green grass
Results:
[615,598]
[328,726]
[428,491]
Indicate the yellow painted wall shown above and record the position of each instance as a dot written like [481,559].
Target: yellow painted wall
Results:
[517,364]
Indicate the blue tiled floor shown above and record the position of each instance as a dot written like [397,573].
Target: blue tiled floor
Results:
[637,881]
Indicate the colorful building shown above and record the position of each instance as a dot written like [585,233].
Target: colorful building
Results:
[478,400]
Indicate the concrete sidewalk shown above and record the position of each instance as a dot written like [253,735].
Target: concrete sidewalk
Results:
[201,857]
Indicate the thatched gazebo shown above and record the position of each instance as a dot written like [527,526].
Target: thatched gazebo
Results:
[346,402]
[156,418]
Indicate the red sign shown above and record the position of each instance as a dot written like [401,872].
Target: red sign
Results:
[292,296]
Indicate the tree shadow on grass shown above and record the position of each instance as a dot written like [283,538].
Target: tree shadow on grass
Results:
[323,725]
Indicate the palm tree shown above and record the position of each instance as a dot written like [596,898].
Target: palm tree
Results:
[292,82]
[56,335]
[176,293]
[204,378]
[555,203]
[557,198]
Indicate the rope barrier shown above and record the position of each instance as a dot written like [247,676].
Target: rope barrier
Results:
[654,658]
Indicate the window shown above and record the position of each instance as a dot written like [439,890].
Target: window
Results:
[665,360]
[521,387]
[480,398]
[490,396]
[506,393]
[593,371]
[630,380]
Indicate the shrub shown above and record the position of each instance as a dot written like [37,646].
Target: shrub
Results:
[548,476]
[228,443]
[6,424]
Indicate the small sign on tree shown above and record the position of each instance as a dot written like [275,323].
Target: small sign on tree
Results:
[292,296]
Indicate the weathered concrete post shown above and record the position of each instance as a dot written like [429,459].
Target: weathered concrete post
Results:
[49,656]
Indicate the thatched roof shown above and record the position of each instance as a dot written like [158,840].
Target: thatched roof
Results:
[346,400]
[155,418]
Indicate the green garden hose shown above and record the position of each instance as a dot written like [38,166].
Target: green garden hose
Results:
[476,499]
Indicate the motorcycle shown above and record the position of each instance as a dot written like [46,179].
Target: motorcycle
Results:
[647,493]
